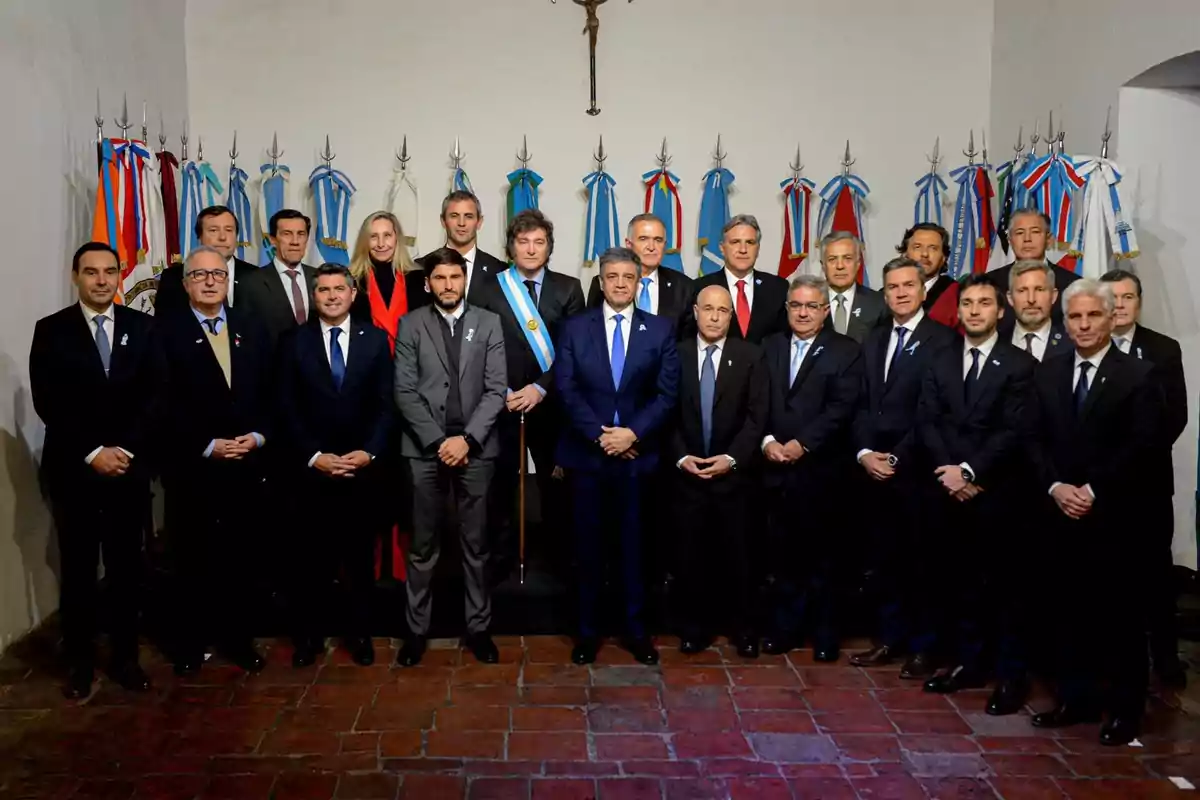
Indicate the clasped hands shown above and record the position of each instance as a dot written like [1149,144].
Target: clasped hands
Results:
[618,442]
[111,462]
[705,468]
[342,466]
[524,400]
[784,453]
[234,448]
[1075,501]
[953,481]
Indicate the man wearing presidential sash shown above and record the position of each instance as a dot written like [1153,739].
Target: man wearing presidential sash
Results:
[531,301]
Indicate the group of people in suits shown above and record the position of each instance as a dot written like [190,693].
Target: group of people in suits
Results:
[740,418]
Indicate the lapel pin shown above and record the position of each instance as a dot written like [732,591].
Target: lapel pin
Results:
[1139,352]
[361,331]
[237,340]
[817,352]
[857,312]
[1057,336]
[641,327]
[758,281]
[912,348]
[484,267]
[470,334]
[199,341]
[994,361]
[125,341]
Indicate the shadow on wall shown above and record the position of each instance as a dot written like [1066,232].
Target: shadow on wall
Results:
[32,525]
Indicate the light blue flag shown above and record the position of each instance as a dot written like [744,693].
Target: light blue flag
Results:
[603,225]
[714,213]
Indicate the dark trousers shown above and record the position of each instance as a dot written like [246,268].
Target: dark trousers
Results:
[1102,595]
[1161,610]
[710,556]
[607,509]
[898,572]
[213,515]
[344,519]
[552,540]
[105,516]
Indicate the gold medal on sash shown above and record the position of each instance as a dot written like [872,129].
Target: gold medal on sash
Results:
[532,325]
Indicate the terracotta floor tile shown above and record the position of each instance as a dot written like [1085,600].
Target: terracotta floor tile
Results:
[563,789]
[533,718]
[432,787]
[710,745]
[542,747]
[472,718]
[629,747]
[460,744]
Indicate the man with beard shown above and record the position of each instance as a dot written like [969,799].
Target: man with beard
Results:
[1029,234]
[665,293]
[280,295]
[462,219]
[928,244]
[1032,296]
[449,389]
[218,228]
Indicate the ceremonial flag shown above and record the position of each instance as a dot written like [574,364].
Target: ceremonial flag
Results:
[460,182]
[522,190]
[662,200]
[1051,181]
[1103,222]
[404,200]
[167,167]
[797,201]
[928,207]
[714,213]
[275,179]
[332,191]
[201,188]
[603,225]
[239,202]
[971,238]
[1008,177]
[841,210]
[139,286]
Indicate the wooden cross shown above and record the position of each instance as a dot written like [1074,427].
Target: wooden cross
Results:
[592,29]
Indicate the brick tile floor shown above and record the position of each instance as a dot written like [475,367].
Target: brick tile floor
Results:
[536,726]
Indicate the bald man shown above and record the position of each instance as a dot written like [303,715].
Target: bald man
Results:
[714,446]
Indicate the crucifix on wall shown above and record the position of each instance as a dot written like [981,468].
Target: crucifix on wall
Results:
[592,29]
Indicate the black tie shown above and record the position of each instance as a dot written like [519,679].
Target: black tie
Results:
[532,287]
[972,379]
[901,331]
[1081,388]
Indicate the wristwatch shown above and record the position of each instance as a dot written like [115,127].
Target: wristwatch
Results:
[893,461]
[732,462]
[967,474]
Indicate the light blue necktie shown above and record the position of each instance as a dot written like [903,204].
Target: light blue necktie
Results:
[799,346]
[617,360]
[337,360]
[708,392]
[643,301]
[102,343]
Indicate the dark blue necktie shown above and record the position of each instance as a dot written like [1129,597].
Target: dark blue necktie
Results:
[708,391]
[337,361]
[1081,388]
[972,374]
[617,359]
[901,332]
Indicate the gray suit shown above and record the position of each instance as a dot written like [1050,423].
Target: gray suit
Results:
[869,310]
[422,389]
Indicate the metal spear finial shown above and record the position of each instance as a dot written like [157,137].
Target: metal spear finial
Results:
[1020,145]
[524,156]
[1033,139]
[233,153]
[274,154]
[936,158]
[145,135]
[1107,133]
[99,118]
[457,155]
[402,154]
[719,154]
[983,135]
[663,158]
[199,148]
[1062,137]
[1051,137]
[123,122]
[162,134]
[183,140]
[797,165]
[327,155]
[847,161]
[971,152]
[600,155]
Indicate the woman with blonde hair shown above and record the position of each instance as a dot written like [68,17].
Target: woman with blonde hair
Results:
[389,283]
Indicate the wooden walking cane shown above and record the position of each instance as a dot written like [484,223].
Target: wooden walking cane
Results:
[521,502]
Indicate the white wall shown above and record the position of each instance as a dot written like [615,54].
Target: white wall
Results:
[766,74]
[54,55]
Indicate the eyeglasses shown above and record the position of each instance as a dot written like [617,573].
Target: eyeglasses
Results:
[201,275]
[812,307]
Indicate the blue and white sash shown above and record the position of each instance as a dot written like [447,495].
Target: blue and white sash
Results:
[532,324]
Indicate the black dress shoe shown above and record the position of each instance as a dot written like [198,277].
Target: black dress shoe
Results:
[826,653]
[1119,730]
[483,648]
[79,683]
[130,676]
[246,657]
[747,646]
[412,652]
[642,650]
[918,665]
[875,657]
[1008,697]
[585,651]
[1064,715]
[958,678]
[362,650]
[691,645]
[778,645]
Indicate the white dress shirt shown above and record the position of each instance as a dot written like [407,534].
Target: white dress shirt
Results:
[929,282]
[833,302]
[911,327]
[610,325]
[1041,338]
[343,340]
[652,288]
[1095,361]
[469,256]
[701,355]
[90,316]
[281,271]
[984,349]
[1124,342]
[791,350]
[231,268]
[731,282]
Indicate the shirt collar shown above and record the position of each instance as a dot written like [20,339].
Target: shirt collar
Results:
[455,315]
[1095,360]
[470,254]
[344,327]
[201,316]
[701,344]
[537,277]
[653,278]
[731,279]
[985,349]
[609,312]
[1128,335]
[282,268]
[929,282]
[229,265]
[1041,333]
[848,293]
[796,338]
[912,324]
[90,315]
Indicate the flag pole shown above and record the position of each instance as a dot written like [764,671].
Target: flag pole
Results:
[521,502]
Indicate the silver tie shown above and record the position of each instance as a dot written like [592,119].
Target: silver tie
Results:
[840,318]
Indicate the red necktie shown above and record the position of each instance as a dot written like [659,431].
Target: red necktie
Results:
[743,309]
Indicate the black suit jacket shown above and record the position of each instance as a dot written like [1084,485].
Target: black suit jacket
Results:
[818,407]
[316,416]
[768,311]
[1164,354]
[868,311]
[198,405]
[263,297]
[561,296]
[1111,445]
[886,419]
[483,272]
[172,297]
[81,407]
[740,407]
[675,293]
[986,430]
[1062,279]
[1059,343]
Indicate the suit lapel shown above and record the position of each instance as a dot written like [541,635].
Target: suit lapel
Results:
[689,357]
[433,322]
[989,372]
[1098,381]
[83,330]
[465,330]
[756,305]
[806,366]
[600,340]
[236,360]
[726,374]
[854,321]
[356,357]
[634,346]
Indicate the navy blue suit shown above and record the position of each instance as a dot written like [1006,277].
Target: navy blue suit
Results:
[589,400]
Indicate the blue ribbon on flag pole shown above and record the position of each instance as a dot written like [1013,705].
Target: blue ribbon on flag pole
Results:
[829,193]
[928,207]
[274,195]
[714,213]
[662,200]
[239,202]
[522,190]
[461,182]
[332,191]
[201,188]
[967,224]
[603,225]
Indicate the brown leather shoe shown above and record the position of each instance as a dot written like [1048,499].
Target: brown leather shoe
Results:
[875,657]
[918,665]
